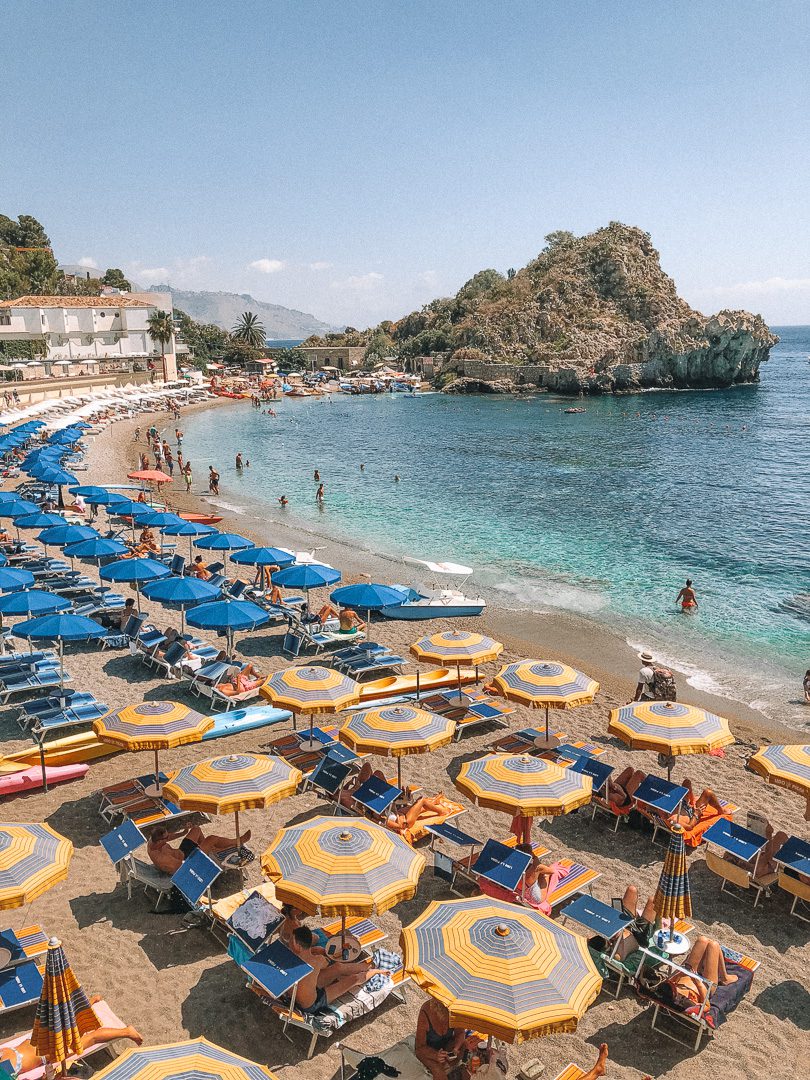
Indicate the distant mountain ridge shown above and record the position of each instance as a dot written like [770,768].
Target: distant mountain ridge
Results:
[224,308]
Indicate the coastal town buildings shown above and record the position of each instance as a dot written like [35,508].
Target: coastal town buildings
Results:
[343,357]
[90,330]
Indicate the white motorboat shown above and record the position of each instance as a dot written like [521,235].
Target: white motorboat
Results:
[436,601]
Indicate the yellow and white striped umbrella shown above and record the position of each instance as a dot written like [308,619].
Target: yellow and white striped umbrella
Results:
[545,684]
[784,766]
[153,725]
[523,785]
[197,1059]
[335,866]
[396,731]
[310,689]
[669,727]
[457,647]
[226,785]
[506,971]
[33,858]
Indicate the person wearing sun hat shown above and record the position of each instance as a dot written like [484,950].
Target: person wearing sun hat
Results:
[645,690]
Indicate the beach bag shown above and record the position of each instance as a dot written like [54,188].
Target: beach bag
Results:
[663,684]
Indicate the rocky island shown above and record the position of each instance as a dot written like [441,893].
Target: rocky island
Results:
[591,314]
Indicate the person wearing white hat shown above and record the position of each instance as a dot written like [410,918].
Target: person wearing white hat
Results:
[645,690]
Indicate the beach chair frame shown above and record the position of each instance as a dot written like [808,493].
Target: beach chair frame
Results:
[739,877]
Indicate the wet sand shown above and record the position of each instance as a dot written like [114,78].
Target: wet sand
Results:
[173,985]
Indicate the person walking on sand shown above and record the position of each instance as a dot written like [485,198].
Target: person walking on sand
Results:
[213,480]
[188,477]
[687,599]
[806,687]
[645,690]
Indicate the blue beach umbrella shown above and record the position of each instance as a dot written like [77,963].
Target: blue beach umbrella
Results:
[11,579]
[263,556]
[226,542]
[228,616]
[51,475]
[17,508]
[60,628]
[189,529]
[98,496]
[184,592]
[32,602]
[368,597]
[307,576]
[9,497]
[42,519]
[134,571]
[61,535]
[162,519]
[95,548]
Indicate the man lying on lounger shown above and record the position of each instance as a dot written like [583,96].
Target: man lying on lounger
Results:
[328,980]
[405,812]
[24,1058]
[169,859]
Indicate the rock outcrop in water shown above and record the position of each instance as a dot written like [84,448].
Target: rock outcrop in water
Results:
[592,314]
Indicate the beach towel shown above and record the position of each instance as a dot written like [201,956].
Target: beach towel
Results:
[419,831]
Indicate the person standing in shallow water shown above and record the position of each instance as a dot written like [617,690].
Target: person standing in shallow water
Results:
[687,598]
[319,494]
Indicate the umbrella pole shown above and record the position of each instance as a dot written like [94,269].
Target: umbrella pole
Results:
[546,723]
[41,743]
[182,619]
[417,684]
[157,771]
[61,664]
[138,596]
[343,935]
[399,772]
[238,841]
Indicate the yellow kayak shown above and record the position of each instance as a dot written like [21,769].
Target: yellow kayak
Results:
[434,679]
[67,751]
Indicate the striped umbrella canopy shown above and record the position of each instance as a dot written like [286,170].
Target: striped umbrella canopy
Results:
[784,766]
[524,785]
[669,727]
[506,971]
[545,683]
[153,725]
[197,1059]
[311,690]
[226,785]
[334,866]
[395,731]
[673,897]
[33,858]
[457,647]
[64,1012]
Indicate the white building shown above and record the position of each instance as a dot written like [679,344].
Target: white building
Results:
[90,328]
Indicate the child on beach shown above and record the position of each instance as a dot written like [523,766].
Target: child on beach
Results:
[188,477]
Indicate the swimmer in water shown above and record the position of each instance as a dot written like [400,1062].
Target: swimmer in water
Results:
[686,598]
[317,476]
[362,468]
[283,501]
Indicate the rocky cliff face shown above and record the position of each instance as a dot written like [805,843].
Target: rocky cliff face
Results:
[593,314]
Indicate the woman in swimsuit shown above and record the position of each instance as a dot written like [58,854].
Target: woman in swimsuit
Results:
[705,958]
[686,598]
[438,1045]
[24,1057]
[623,788]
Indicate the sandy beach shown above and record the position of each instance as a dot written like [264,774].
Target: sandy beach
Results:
[174,985]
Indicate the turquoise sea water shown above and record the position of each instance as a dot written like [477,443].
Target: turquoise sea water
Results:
[603,513]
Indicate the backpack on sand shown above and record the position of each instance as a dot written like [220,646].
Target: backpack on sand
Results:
[663,684]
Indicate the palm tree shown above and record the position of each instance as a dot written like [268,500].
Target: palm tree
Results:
[250,331]
[161,329]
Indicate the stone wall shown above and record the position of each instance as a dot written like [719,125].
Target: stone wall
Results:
[518,373]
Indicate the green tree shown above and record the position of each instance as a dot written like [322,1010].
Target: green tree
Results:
[161,329]
[115,279]
[249,330]
[207,341]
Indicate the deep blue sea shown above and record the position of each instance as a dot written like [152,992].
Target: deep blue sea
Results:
[604,513]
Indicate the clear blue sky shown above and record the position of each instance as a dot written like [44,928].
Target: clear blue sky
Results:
[369,155]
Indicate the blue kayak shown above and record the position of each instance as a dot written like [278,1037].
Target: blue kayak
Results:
[231,723]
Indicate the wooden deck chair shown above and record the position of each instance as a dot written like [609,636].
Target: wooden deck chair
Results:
[738,876]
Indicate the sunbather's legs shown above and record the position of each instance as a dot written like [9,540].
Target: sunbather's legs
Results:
[713,966]
[521,829]
[649,914]
[630,900]
[599,1068]
[695,956]
[775,840]
[635,782]
[213,843]
[422,807]
[344,983]
[107,1035]
[708,798]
